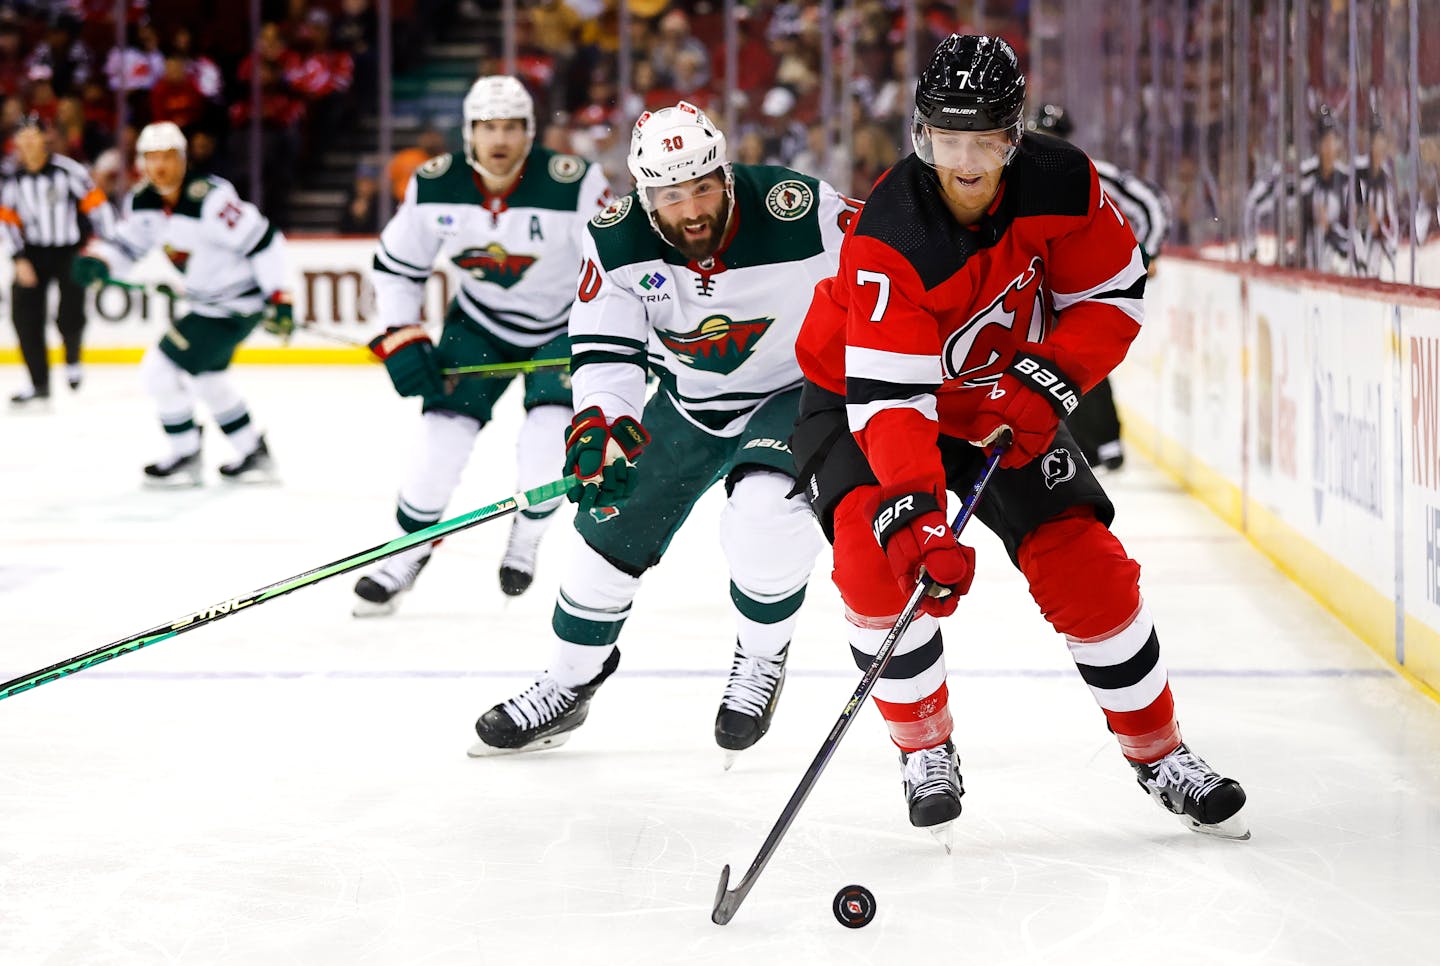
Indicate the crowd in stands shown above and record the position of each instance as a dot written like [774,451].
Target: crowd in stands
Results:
[96,82]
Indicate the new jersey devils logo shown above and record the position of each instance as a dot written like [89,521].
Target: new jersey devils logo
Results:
[1058,466]
[977,352]
[494,264]
[718,344]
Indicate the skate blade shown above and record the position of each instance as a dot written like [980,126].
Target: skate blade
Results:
[944,834]
[186,482]
[730,757]
[1233,827]
[482,750]
[368,608]
[253,478]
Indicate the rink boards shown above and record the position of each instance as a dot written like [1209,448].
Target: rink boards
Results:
[1306,412]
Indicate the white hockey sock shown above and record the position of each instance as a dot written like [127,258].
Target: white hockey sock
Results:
[174,404]
[577,664]
[540,453]
[446,440]
[223,400]
[770,541]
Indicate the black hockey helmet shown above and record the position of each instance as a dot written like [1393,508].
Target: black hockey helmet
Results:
[1052,119]
[972,83]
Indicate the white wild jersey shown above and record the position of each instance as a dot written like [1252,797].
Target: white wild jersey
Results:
[230,255]
[517,254]
[721,338]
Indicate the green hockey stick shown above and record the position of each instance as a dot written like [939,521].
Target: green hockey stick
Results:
[231,605]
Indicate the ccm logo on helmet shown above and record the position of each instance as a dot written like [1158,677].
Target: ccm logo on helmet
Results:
[1047,382]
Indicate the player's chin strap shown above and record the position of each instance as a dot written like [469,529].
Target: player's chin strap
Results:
[727,901]
[215,612]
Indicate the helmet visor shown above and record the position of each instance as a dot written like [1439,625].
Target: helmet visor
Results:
[969,152]
[672,197]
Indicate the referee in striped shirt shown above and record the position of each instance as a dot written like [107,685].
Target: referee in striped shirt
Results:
[48,205]
[1095,424]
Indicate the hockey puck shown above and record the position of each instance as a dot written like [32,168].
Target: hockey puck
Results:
[854,906]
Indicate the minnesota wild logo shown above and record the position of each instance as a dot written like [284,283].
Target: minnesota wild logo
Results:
[177,257]
[494,264]
[718,344]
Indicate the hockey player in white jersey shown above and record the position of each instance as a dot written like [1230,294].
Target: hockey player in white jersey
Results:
[703,274]
[510,216]
[233,262]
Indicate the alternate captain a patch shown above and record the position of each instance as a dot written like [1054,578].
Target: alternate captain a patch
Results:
[494,264]
[719,344]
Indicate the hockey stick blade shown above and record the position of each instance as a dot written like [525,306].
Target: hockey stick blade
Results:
[727,901]
[231,605]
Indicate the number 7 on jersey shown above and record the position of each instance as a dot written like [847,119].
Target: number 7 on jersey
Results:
[863,277]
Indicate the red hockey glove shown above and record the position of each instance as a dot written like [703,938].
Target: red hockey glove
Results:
[1032,396]
[914,534]
[602,456]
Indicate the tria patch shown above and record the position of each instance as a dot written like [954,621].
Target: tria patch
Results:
[198,189]
[566,168]
[494,264]
[177,257]
[435,167]
[719,344]
[790,200]
[614,213]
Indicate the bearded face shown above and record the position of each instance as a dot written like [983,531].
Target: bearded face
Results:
[692,216]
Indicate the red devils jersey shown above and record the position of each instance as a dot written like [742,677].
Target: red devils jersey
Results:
[925,314]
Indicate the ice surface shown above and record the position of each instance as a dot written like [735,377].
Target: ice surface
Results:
[290,785]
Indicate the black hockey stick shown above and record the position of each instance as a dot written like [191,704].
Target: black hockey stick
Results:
[727,901]
[225,608]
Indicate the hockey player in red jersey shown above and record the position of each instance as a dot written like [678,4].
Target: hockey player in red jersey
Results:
[988,283]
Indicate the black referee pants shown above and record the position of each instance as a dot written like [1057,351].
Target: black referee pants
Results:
[29,303]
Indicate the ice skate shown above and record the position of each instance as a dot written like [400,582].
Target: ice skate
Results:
[517,567]
[1203,800]
[933,788]
[542,716]
[175,471]
[1111,455]
[378,592]
[254,467]
[749,701]
[30,401]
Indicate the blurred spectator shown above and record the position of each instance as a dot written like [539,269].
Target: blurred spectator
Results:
[1325,202]
[362,211]
[175,96]
[280,116]
[321,76]
[114,169]
[43,103]
[676,45]
[751,149]
[61,58]
[138,65]
[1379,228]
[71,137]
[427,145]
[203,156]
[201,69]
[12,58]
[356,31]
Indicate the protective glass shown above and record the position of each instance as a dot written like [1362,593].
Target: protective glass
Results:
[970,152]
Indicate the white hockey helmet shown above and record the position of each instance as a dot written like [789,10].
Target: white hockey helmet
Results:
[160,136]
[674,145]
[497,97]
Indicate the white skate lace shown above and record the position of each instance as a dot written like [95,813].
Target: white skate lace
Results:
[542,702]
[927,772]
[1185,771]
[751,685]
